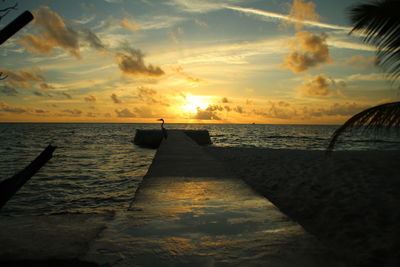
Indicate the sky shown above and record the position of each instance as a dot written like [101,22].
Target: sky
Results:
[188,61]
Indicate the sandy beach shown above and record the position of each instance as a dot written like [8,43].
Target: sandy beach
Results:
[349,200]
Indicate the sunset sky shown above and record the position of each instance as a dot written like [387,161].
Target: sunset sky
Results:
[231,61]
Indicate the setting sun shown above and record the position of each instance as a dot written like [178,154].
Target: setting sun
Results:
[193,103]
[188,61]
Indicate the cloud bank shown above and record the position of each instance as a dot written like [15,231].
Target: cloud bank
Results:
[131,62]
[54,34]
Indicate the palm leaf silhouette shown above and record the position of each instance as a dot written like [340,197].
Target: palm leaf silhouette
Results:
[379,24]
[378,117]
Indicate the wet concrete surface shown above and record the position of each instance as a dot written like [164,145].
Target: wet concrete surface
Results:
[38,240]
[190,211]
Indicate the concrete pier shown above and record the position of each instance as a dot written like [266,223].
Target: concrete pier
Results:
[191,211]
[153,138]
[188,211]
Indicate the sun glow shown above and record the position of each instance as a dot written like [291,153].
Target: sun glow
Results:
[193,103]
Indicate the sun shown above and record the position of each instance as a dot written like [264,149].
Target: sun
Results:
[193,103]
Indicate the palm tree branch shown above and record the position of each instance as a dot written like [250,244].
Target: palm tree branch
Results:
[379,24]
[374,118]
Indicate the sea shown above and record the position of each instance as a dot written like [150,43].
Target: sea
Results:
[96,168]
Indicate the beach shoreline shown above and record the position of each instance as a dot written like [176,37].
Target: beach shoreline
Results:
[349,200]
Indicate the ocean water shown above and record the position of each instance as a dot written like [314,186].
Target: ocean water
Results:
[96,167]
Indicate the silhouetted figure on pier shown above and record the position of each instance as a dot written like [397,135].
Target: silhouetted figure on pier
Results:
[163,130]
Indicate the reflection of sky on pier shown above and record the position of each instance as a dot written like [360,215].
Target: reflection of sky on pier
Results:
[172,221]
[228,61]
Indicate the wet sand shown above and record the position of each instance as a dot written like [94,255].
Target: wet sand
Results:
[350,200]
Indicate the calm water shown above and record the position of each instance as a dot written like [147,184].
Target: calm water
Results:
[97,168]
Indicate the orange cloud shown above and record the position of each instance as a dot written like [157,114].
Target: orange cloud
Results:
[361,62]
[131,62]
[4,107]
[302,11]
[316,86]
[73,112]
[131,25]
[23,77]
[54,34]
[307,51]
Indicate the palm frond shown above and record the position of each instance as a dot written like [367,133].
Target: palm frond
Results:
[378,117]
[379,24]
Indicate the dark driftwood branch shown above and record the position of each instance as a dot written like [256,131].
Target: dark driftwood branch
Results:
[11,185]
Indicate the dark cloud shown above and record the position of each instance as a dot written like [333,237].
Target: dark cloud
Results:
[125,113]
[90,99]
[210,113]
[344,109]
[145,112]
[73,112]
[54,34]
[115,99]
[45,86]
[225,100]
[66,95]
[215,108]
[188,77]
[23,77]
[92,39]
[307,51]
[206,115]
[37,93]
[150,96]
[91,114]
[4,107]
[8,91]
[278,110]
[131,62]
[238,109]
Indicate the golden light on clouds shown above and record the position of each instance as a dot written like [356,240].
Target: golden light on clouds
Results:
[206,61]
[193,103]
